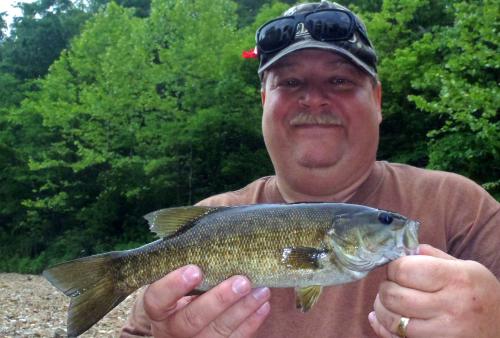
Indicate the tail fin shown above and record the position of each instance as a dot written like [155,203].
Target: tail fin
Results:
[92,285]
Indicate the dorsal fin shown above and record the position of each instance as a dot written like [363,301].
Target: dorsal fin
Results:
[172,221]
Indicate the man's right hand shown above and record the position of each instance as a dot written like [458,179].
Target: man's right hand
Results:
[230,309]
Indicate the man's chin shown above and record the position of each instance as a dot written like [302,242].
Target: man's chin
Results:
[317,159]
[317,163]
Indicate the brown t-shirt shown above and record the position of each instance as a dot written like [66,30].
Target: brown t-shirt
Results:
[456,215]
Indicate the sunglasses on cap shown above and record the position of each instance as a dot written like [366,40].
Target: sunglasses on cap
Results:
[322,25]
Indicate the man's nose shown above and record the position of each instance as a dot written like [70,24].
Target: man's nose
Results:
[314,95]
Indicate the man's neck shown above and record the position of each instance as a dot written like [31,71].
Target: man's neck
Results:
[322,189]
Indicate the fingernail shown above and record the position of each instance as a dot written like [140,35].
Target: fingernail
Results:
[260,293]
[264,309]
[241,286]
[191,274]
[371,317]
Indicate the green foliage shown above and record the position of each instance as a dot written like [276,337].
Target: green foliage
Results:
[170,134]
[143,105]
[467,97]
[439,69]
[39,36]
[392,30]
[3,25]
[248,10]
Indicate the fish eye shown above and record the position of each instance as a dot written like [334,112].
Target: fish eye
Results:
[385,218]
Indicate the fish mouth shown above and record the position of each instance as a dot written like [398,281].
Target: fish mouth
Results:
[323,120]
[410,237]
[407,241]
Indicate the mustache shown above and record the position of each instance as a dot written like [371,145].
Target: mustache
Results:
[324,118]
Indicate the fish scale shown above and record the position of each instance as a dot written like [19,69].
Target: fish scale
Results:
[303,245]
[222,253]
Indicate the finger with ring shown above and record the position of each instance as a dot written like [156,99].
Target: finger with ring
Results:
[403,324]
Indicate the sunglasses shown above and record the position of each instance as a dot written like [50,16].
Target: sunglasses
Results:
[322,25]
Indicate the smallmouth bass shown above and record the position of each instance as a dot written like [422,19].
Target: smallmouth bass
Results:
[304,245]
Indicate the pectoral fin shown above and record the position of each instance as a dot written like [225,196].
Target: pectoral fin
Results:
[302,257]
[306,297]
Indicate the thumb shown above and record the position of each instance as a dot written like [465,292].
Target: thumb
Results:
[429,250]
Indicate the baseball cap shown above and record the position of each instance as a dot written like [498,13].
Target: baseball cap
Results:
[353,43]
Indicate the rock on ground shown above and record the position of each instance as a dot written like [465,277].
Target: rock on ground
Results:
[31,307]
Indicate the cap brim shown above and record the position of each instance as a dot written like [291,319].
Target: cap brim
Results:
[309,43]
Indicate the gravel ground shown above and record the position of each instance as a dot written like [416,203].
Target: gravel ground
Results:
[31,307]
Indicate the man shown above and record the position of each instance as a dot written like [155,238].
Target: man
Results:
[321,114]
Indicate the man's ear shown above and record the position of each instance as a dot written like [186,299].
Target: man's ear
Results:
[262,96]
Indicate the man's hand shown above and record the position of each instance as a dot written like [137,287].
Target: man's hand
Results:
[231,309]
[443,297]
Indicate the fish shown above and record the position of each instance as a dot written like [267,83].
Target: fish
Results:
[305,246]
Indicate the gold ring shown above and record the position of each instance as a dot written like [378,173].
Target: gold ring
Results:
[403,324]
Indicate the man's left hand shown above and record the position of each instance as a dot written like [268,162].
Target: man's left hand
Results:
[443,297]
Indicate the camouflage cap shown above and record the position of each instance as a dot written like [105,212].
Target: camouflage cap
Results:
[357,48]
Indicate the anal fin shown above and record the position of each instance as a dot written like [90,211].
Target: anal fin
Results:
[306,297]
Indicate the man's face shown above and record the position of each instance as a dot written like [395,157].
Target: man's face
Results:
[320,112]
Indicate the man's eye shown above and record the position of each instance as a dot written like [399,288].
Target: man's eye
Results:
[291,83]
[339,82]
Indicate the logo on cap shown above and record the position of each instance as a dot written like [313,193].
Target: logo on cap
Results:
[301,32]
